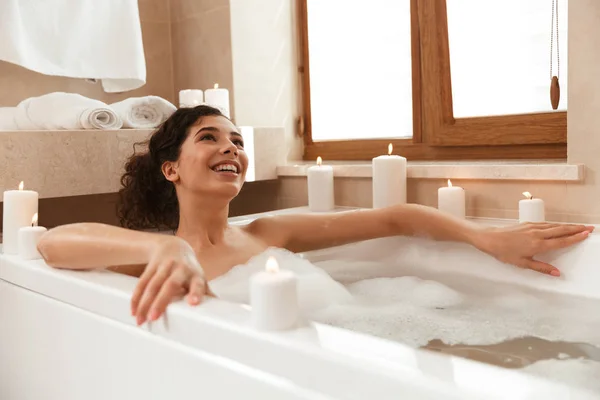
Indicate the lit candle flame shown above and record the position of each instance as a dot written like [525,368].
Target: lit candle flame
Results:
[528,195]
[21,185]
[34,219]
[390,149]
[319,161]
[449,183]
[216,85]
[272,265]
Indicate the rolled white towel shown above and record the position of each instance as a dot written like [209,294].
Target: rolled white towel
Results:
[7,119]
[143,112]
[71,111]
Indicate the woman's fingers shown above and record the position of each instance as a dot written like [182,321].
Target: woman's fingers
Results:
[151,291]
[146,276]
[171,287]
[564,230]
[197,290]
[542,267]
[565,241]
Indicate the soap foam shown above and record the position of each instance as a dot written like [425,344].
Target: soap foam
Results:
[414,306]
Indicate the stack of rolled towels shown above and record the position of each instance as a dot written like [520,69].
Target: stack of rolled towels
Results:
[71,111]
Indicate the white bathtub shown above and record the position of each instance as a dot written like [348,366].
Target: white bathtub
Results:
[68,335]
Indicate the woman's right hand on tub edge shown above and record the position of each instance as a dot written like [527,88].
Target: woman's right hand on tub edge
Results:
[173,271]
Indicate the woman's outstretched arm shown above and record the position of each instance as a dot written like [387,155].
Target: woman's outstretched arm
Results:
[92,245]
[515,245]
[167,265]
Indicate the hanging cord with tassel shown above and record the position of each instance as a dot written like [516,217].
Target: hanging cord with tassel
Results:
[554,85]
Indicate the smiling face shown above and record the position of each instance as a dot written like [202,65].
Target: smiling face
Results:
[212,160]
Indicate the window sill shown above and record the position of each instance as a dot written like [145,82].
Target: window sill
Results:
[481,170]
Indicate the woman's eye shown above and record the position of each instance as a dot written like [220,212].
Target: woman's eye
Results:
[208,136]
[238,143]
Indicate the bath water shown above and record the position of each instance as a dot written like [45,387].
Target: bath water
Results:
[547,334]
[553,335]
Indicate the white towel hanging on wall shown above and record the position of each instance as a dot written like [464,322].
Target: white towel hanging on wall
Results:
[99,39]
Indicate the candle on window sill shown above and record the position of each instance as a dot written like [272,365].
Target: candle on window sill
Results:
[274,298]
[389,180]
[190,98]
[320,187]
[219,98]
[451,200]
[531,210]
[29,237]
[18,208]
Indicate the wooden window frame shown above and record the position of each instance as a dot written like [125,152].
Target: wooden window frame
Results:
[437,134]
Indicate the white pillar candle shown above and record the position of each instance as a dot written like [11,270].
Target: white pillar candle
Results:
[28,239]
[320,187]
[531,210]
[18,207]
[389,180]
[274,298]
[451,200]
[190,98]
[218,98]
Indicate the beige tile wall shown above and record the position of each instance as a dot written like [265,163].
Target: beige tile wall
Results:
[202,54]
[18,83]
[489,199]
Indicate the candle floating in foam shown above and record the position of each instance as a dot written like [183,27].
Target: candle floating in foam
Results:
[389,180]
[190,98]
[219,98]
[28,238]
[18,207]
[531,210]
[451,200]
[320,187]
[274,298]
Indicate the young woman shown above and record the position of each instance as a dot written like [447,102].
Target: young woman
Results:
[194,166]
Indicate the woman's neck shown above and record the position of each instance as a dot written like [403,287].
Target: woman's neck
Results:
[203,223]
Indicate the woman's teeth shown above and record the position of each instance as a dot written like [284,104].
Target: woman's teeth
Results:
[226,167]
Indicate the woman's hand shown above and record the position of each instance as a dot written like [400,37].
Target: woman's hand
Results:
[172,272]
[518,245]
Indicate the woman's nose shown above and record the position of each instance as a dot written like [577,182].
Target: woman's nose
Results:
[231,148]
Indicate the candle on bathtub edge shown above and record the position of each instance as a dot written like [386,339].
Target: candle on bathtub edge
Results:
[18,207]
[531,210]
[28,239]
[190,98]
[219,98]
[451,200]
[389,180]
[320,187]
[274,298]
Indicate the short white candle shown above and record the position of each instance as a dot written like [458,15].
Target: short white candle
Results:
[18,207]
[274,298]
[28,238]
[190,98]
[451,200]
[531,210]
[389,180]
[219,98]
[320,187]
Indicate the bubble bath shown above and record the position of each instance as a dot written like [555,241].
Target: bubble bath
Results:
[513,326]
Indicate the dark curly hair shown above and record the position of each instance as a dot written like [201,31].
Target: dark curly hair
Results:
[147,200]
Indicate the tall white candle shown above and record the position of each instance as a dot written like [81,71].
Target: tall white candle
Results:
[320,187]
[389,180]
[190,98]
[28,238]
[531,210]
[451,200]
[18,207]
[274,298]
[219,98]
